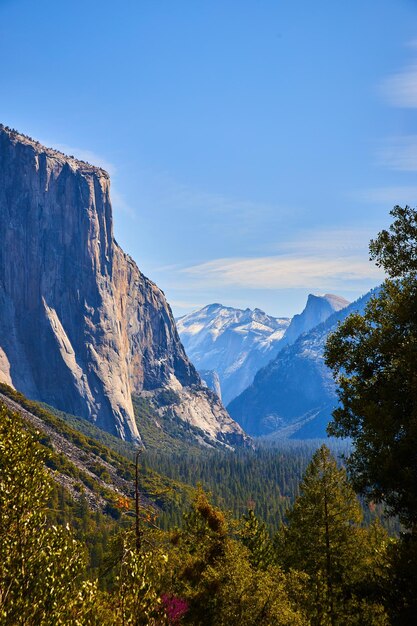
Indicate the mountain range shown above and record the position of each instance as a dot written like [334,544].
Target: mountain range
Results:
[233,344]
[81,328]
[294,395]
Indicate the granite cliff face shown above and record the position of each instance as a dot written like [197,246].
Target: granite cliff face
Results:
[212,380]
[316,311]
[81,328]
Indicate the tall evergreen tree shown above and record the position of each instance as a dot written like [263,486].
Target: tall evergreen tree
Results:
[374,360]
[324,539]
[254,535]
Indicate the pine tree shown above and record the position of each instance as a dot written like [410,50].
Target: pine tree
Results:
[213,574]
[324,539]
[254,535]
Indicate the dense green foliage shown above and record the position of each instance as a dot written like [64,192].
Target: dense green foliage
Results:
[41,565]
[374,359]
[395,250]
[266,479]
[213,570]
[213,573]
[325,539]
[169,496]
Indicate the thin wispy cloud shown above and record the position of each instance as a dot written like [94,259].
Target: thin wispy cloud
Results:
[399,153]
[283,273]
[390,196]
[400,89]
[330,241]
[333,260]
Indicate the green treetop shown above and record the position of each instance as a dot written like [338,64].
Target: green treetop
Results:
[374,360]
[324,539]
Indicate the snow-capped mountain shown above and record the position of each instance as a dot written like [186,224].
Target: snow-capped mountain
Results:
[234,343]
[294,395]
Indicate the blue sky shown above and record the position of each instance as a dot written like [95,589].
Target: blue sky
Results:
[254,146]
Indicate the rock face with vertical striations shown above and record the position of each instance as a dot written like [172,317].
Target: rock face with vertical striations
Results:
[81,328]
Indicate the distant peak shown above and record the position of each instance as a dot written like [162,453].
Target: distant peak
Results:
[336,302]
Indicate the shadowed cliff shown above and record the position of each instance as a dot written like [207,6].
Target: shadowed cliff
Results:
[81,328]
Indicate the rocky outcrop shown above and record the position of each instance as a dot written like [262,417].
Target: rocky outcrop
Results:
[212,380]
[81,328]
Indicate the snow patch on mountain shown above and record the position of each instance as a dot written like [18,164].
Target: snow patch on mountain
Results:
[234,343]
